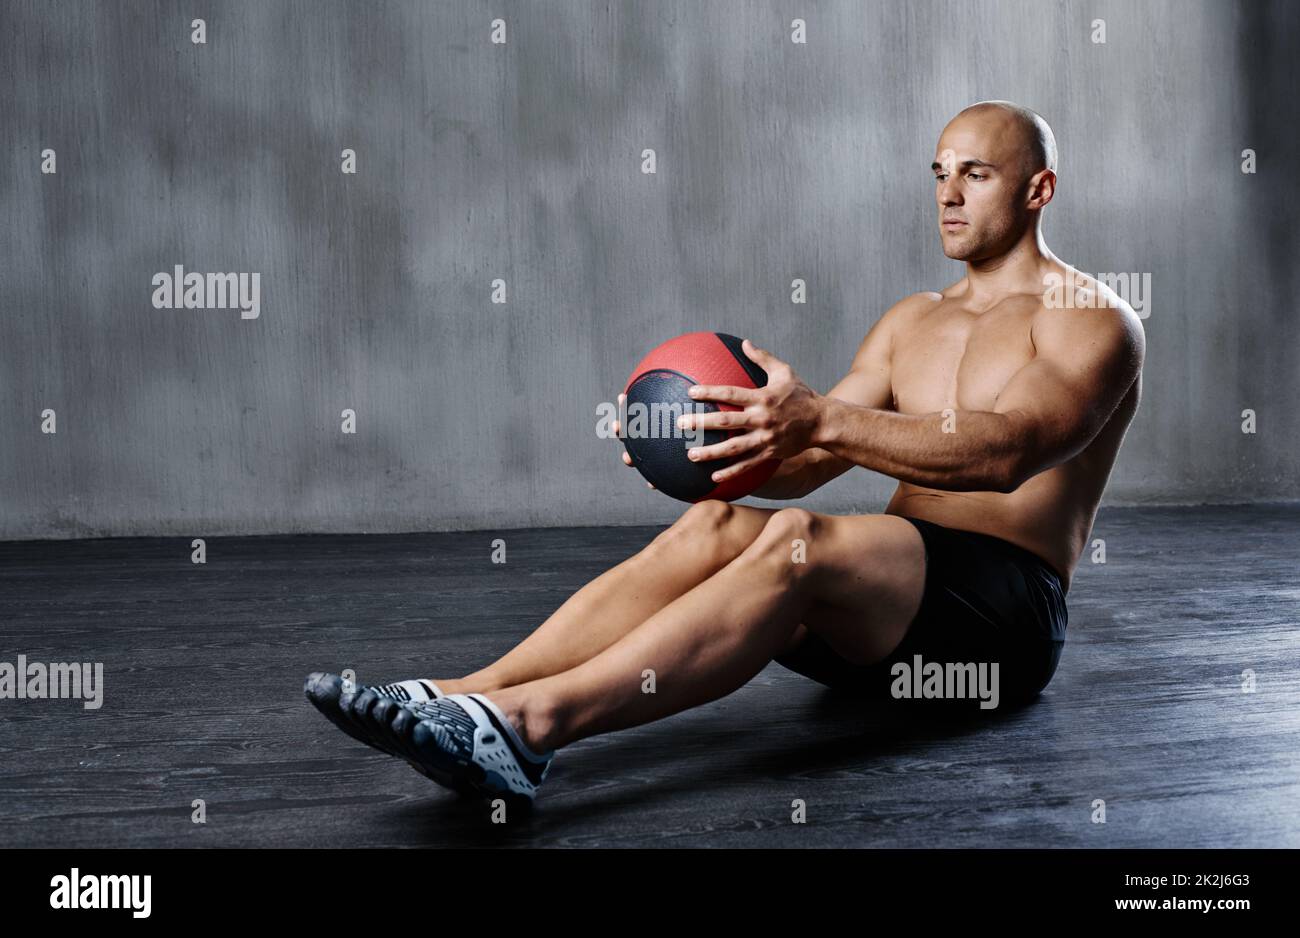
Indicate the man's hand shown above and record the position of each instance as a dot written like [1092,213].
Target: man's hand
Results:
[782,418]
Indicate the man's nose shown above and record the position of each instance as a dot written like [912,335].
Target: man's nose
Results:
[949,192]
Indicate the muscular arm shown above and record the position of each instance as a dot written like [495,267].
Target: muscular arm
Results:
[866,385]
[799,475]
[1084,363]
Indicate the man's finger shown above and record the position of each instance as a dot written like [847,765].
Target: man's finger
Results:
[761,356]
[723,392]
[732,446]
[714,420]
[735,469]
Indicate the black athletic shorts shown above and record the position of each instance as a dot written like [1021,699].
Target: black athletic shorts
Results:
[986,601]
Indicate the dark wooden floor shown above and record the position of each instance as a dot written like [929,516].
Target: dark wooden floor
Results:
[203,699]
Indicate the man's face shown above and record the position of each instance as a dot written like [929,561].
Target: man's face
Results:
[980,186]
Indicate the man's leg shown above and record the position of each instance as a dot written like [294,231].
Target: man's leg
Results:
[707,537]
[859,589]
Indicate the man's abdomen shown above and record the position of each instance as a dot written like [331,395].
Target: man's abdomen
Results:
[1043,516]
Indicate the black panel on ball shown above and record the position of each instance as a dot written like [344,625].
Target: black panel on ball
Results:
[752,368]
[662,459]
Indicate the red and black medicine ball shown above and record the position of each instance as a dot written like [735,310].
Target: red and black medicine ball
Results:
[656,397]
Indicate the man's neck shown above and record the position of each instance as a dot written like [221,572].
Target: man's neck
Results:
[1018,270]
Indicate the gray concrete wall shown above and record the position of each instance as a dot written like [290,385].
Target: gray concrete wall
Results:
[521,162]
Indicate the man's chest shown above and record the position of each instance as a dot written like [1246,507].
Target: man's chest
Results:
[950,358]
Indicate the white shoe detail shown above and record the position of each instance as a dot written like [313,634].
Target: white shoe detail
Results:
[492,753]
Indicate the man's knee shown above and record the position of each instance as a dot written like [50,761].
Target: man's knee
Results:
[791,523]
[788,539]
[702,518]
[703,530]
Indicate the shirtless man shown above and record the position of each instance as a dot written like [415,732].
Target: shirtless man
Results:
[1000,414]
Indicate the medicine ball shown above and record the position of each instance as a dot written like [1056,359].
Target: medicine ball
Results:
[657,396]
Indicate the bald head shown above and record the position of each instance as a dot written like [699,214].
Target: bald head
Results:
[994,172]
[1034,136]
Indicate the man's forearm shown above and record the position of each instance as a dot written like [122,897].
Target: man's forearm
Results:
[800,475]
[953,450]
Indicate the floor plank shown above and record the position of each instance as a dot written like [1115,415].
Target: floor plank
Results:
[204,669]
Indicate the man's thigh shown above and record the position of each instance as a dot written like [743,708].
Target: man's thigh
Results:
[866,577]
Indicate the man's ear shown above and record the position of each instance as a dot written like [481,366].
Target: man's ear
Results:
[1042,186]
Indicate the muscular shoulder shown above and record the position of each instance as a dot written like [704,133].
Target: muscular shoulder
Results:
[875,353]
[1082,319]
[908,310]
[877,347]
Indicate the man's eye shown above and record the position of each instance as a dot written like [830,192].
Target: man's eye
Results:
[974,176]
[940,177]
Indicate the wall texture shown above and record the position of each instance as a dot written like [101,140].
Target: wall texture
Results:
[521,161]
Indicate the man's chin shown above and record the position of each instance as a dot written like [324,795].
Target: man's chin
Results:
[963,245]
